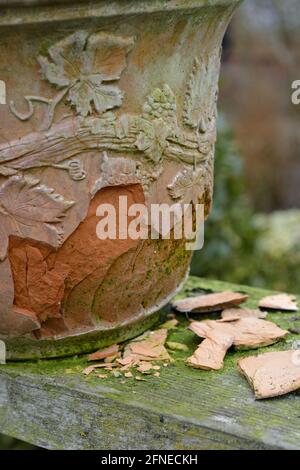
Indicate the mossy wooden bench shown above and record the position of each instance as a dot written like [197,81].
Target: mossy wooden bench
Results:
[53,405]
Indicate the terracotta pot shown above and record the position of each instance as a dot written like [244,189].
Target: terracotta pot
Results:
[102,101]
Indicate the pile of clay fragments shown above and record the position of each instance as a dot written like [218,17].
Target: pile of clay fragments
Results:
[137,358]
[270,374]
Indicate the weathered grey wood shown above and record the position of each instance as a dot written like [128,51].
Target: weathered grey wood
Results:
[53,405]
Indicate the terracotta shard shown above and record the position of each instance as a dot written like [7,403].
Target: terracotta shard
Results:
[211,352]
[126,362]
[145,367]
[232,314]
[254,333]
[151,348]
[112,358]
[210,302]
[248,333]
[104,353]
[279,302]
[272,374]
[147,350]
[203,328]
[88,370]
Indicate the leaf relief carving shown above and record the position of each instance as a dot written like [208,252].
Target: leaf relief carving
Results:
[29,209]
[86,65]
[202,90]
[188,186]
[84,68]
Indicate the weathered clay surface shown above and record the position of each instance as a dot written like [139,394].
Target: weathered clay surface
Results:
[117,106]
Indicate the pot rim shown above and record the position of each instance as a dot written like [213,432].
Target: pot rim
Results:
[185,3]
[24,12]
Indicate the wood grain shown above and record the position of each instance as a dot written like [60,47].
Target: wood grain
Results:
[53,405]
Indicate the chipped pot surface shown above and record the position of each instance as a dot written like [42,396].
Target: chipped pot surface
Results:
[211,352]
[90,119]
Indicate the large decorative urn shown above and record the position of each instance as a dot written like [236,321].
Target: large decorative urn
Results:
[100,100]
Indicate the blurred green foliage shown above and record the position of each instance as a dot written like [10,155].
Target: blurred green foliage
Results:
[262,250]
[230,231]
[278,250]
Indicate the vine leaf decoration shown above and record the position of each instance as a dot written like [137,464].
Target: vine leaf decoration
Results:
[29,209]
[199,107]
[188,185]
[74,168]
[83,67]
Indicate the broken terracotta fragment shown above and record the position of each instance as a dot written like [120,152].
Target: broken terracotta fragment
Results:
[248,333]
[210,302]
[272,374]
[88,370]
[145,367]
[211,352]
[109,352]
[279,302]
[232,314]
[151,348]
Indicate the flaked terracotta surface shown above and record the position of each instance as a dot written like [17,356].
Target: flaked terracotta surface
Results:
[104,353]
[94,112]
[272,374]
[45,279]
[209,302]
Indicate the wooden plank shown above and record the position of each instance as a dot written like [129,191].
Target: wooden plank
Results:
[53,405]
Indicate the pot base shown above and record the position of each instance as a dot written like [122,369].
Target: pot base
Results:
[20,349]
